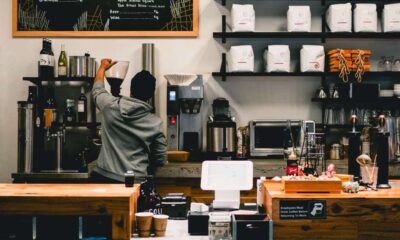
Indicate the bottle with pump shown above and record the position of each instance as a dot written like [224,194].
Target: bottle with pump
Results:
[82,107]
[62,63]
[259,192]
[46,61]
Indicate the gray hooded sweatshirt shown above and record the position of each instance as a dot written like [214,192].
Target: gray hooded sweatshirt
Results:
[132,136]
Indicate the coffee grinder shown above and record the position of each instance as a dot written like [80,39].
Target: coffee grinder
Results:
[184,126]
[116,75]
[354,148]
[382,143]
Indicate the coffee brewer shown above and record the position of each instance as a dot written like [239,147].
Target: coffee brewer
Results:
[221,132]
[184,125]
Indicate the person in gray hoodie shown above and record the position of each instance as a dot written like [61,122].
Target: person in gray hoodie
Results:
[132,136]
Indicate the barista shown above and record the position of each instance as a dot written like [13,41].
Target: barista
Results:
[133,138]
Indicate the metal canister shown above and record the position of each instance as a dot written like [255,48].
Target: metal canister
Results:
[148,57]
[336,152]
[26,130]
[73,60]
[91,67]
[148,64]
[77,66]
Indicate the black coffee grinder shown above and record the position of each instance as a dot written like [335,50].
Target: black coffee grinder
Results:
[354,148]
[221,132]
[116,75]
[382,143]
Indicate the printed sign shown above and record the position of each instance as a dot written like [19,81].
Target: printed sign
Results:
[302,209]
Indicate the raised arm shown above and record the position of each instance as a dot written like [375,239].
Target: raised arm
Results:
[100,96]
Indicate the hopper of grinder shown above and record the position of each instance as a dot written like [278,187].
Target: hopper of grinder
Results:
[181,79]
[190,91]
[116,75]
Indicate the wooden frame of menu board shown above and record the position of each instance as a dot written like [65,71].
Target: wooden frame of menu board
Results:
[193,32]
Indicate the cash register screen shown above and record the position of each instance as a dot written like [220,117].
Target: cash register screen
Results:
[227,175]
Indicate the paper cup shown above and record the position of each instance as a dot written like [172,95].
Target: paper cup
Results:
[160,224]
[144,222]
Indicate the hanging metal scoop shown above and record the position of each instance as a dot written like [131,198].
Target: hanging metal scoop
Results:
[364,160]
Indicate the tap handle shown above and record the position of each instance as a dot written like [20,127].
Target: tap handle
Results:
[353,120]
[382,121]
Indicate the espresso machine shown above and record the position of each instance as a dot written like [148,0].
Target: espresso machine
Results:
[185,93]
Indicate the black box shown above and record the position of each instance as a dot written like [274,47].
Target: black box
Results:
[358,91]
[254,227]
[364,91]
[15,227]
[175,205]
[198,223]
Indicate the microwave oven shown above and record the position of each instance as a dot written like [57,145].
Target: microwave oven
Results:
[267,137]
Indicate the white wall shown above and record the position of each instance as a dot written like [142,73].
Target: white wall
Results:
[250,98]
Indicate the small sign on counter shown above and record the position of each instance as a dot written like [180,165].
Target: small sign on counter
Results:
[302,209]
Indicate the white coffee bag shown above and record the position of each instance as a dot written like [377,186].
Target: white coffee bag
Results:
[312,58]
[299,19]
[338,17]
[365,18]
[391,18]
[277,58]
[243,18]
[241,59]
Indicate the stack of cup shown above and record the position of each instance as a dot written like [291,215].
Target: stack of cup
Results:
[160,225]
[147,221]
[144,222]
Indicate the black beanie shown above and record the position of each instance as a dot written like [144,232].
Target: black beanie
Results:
[143,85]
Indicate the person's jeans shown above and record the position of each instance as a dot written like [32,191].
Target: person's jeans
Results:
[98,178]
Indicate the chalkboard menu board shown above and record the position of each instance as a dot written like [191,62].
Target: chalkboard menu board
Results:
[97,18]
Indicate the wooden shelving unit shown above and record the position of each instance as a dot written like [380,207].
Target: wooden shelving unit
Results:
[223,36]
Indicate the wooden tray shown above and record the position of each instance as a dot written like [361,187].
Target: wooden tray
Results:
[178,156]
[333,185]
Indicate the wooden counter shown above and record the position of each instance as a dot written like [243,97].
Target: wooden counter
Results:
[364,215]
[73,199]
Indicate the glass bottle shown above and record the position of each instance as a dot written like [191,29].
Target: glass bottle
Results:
[82,107]
[46,61]
[70,113]
[62,63]
[149,199]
